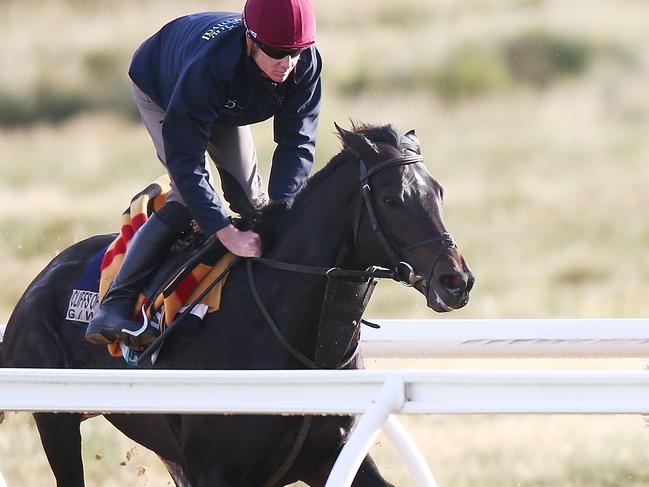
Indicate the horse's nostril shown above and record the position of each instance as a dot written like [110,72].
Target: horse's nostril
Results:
[453,283]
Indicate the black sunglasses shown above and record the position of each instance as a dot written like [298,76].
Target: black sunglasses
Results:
[276,52]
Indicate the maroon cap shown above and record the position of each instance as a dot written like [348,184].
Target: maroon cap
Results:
[286,24]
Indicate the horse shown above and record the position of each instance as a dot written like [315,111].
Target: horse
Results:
[373,204]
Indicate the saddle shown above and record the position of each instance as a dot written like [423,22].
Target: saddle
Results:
[187,276]
[192,275]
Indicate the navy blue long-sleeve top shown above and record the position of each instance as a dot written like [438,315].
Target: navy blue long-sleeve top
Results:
[197,70]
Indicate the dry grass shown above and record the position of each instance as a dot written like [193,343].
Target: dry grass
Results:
[545,193]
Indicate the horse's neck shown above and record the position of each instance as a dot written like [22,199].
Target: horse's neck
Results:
[319,235]
[323,224]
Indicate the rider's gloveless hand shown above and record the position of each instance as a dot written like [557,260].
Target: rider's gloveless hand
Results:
[243,244]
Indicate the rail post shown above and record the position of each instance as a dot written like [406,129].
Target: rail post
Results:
[390,399]
[409,452]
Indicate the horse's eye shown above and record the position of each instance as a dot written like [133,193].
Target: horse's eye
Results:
[390,202]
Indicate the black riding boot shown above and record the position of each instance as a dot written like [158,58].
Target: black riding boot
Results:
[150,245]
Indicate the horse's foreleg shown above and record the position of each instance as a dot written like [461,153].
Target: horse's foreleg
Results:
[214,478]
[177,473]
[368,475]
[61,439]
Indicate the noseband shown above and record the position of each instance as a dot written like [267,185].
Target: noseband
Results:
[404,272]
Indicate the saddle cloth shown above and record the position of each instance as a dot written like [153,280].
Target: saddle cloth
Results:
[184,289]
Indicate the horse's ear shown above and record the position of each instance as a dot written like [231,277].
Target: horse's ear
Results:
[412,137]
[360,145]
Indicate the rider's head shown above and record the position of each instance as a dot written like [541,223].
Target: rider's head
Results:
[278,30]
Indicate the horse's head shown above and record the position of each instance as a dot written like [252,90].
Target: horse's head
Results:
[398,219]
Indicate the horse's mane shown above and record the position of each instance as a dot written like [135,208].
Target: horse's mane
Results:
[276,216]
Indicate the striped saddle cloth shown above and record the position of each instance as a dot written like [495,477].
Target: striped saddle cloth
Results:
[181,280]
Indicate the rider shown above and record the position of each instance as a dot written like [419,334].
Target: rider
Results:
[199,83]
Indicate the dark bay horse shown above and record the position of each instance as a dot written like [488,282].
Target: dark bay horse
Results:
[374,204]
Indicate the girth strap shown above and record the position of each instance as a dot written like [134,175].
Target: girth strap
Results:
[292,454]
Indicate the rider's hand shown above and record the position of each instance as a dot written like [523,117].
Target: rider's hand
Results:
[243,244]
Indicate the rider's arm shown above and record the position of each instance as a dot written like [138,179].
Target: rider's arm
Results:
[295,130]
[186,128]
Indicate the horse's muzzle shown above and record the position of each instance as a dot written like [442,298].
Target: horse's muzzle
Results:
[448,291]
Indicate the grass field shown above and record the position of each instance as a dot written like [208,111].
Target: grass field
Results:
[533,114]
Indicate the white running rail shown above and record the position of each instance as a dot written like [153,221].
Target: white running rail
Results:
[378,394]
[510,338]
[322,391]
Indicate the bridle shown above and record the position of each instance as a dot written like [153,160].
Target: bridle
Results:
[403,271]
